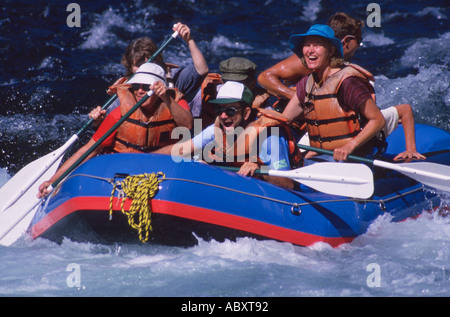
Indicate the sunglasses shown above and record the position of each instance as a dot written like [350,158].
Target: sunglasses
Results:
[358,39]
[229,111]
[144,87]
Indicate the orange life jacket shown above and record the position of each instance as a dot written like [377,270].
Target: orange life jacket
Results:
[140,133]
[328,124]
[209,92]
[243,148]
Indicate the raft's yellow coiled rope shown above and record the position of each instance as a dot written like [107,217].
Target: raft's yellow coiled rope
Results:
[141,189]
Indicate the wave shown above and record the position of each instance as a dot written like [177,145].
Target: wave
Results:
[428,51]
[376,39]
[434,12]
[431,103]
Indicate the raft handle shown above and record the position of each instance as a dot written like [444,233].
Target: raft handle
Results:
[296,210]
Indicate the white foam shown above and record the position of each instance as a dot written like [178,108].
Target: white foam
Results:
[377,39]
[427,51]
[220,42]
[4,176]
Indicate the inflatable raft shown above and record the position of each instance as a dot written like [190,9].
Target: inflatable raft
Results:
[193,200]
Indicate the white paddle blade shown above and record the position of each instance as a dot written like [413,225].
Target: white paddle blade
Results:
[37,171]
[343,179]
[16,220]
[430,174]
[19,212]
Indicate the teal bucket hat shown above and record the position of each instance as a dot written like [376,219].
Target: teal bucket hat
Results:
[296,40]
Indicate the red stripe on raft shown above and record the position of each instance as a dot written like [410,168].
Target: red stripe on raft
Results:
[188,212]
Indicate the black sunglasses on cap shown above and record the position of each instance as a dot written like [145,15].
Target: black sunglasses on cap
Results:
[229,111]
[144,87]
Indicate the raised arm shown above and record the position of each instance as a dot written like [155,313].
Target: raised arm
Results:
[197,57]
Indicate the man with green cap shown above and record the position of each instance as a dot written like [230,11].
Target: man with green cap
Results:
[241,136]
[237,69]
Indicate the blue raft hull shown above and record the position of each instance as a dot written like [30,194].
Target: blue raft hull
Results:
[199,200]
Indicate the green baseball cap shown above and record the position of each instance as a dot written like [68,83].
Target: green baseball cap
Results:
[233,91]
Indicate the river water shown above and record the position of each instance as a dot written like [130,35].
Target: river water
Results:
[53,74]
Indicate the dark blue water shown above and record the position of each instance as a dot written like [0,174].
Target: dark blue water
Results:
[53,75]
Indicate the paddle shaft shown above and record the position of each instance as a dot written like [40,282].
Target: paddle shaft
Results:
[102,138]
[114,97]
[115,126]
[323,151]
[56,157]
[433,175]
[57,154]
[350,179]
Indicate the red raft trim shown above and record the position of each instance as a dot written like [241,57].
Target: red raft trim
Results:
[188,212]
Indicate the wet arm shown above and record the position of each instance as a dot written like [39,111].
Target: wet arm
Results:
[293,109]
[290,69]
[407,118]
[43,188]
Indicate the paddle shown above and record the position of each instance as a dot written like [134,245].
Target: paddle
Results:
[430,174]
[350,180]
[38,170]
[18,211]
[10,218]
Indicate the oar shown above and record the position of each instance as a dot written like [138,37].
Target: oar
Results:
[430,174]
[10,219]
[350,180]
[38,170]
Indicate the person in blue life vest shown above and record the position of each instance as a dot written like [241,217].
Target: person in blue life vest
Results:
[242,136]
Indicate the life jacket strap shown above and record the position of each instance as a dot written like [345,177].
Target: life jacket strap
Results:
[318,138]
[352,117]
[139,148]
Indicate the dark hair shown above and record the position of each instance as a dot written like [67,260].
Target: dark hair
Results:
[344,24]
[138,52]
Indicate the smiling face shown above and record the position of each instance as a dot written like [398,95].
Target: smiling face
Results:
[231,116]
[317,52]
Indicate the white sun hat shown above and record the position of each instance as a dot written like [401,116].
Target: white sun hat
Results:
[148,73]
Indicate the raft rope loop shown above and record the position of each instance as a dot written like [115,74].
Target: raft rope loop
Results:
[141,189]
